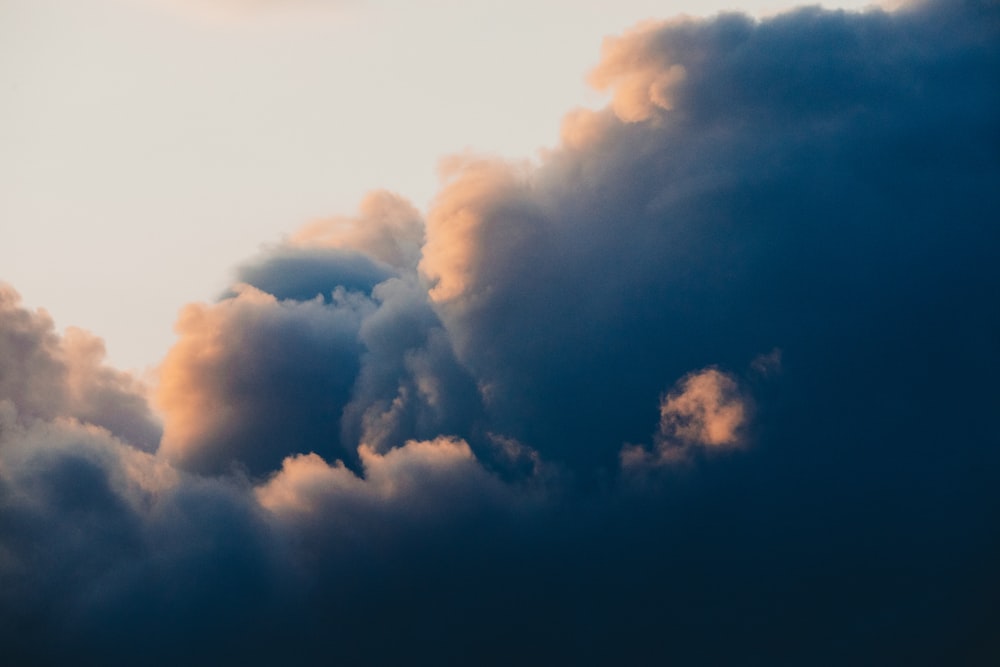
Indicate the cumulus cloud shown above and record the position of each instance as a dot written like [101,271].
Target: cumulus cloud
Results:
[642,85]
[420,480]
[388,229]
[413,429]
[785,187]
[46,375]
[253,379]
[310,358]
[355,253]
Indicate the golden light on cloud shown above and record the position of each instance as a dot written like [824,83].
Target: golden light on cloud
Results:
[409,476]
[705,410]
[462,234]
[641,85]
[192,379]
[388,228]
[457,221]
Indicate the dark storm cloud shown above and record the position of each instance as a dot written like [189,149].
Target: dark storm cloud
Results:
[713,384]
[766,184]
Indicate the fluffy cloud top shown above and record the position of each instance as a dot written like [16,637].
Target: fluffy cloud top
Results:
[45,375]
[252,380]
[405,440]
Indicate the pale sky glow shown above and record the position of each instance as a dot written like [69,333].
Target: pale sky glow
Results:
[149,146]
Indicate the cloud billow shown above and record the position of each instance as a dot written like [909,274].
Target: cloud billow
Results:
[712,383]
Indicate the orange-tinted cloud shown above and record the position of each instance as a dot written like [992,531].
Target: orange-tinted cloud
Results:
[46,376]
[704,410]
[638,71]
[388,229]
[252,379]
[463,223]
[418,478]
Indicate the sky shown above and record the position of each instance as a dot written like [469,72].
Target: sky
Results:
[372,333]
[173,138]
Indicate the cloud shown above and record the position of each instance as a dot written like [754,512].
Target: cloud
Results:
[643,80]
[327,349]
[46,375]
[793,185]
[418,480]
[355,253]
[399,439]
[389,229]
[252,379]
[410,385]
[703,410]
